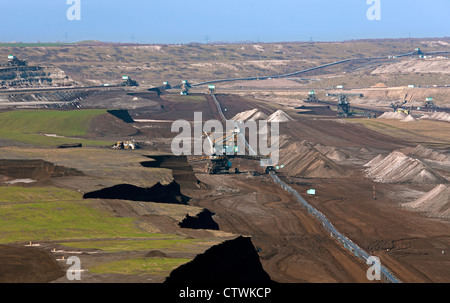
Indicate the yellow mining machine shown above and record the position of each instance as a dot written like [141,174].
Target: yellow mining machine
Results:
[125,145]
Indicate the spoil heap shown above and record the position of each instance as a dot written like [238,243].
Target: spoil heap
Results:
[399,168]
[250,115]
[332,152]
[408,118]
[392,115]
[279,116]
[302,159]
[440,116]
[424,152]
[436,202]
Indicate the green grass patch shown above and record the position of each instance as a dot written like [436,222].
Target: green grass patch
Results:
[59,220]
[17,194]
[30,126]
[46,141]
[153,266]
[63,123]
[157,242]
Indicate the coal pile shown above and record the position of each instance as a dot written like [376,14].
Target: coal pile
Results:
[233,261]
[202,220]
[158,193]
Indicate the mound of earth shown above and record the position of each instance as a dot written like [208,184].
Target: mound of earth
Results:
[408,118]
[155,254]
[302,159]
[250,115]
[424,152]
[435,203]
[440,116]
[158,193]
[392,115]
[202,220]
[332,152]
[399,168]
[27,265]
[35,169]
[108,125]
[233,261]
[279,116]
[380,84]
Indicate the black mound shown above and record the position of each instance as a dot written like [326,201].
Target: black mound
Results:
[202,220]
[233,261]
[158,193]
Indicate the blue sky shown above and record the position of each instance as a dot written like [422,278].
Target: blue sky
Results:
[176,21]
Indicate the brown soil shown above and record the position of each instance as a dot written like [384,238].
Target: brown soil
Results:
[293,246]
[108,125]
[27,265]
[40,171]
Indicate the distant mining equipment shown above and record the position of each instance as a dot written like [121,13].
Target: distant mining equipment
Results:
[312,97]
[127,81]
[401,107]
[429,105]
[343,107]
[223,151]
[185,87]
[211,89]
[126,145]
[14,61]
[166,85]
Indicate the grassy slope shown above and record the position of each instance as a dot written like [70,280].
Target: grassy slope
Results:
[30,126]
[53,214]
[39,214]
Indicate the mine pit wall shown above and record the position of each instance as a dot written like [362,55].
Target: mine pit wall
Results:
[55,96]
[33,76]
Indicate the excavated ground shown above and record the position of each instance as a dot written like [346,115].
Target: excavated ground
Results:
[292,245]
